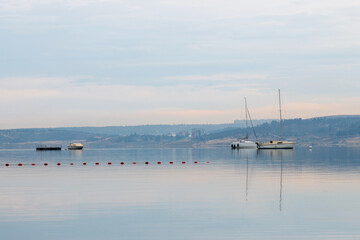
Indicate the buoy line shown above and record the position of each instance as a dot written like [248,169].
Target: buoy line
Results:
[96,163]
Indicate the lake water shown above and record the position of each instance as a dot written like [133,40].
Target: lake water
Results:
[226,194]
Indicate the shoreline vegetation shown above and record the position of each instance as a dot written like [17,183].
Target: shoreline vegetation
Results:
[339,130]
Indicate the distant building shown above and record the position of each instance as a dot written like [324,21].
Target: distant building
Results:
[182,133]
[197,132]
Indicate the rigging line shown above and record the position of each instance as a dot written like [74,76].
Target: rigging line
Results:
[252,125]
[246,119]
[281,130]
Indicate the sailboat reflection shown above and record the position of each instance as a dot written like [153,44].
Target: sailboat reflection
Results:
[278,155]
[281,177]
[246,153]
[247,177]
[272,156]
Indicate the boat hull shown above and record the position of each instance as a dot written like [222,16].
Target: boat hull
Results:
[75,148]
[245,144]
[277,146]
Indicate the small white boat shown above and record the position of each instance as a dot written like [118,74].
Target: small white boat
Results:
[75,146]
[243,143]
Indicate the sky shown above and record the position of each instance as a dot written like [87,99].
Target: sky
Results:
[107,62]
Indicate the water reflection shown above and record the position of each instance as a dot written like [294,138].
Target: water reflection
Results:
[76,154]
[247,176]
[190,201]
[281,180]
[269,154]
[276,154]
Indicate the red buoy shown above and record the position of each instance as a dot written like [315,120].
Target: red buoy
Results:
[122,163]
[207,162]
[195,162]
[97,163]
[171,162]
[159,162]
[58,164]
[6,164]
[146,162]
[19,164]
[134,162]
[71,163]
[45,164]
[183,162]
[33,164]
[109,163]
[84,163]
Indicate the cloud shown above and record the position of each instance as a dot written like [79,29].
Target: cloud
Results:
[33,82]
[11,95]
[54,102]
[218,77]
[126,59]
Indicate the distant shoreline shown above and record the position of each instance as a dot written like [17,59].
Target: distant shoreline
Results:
[330,131]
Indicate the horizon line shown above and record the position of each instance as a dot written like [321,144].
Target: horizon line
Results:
[178,124]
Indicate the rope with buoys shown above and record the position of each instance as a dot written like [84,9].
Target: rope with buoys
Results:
[96,163]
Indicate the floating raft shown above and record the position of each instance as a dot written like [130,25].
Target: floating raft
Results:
[48,148]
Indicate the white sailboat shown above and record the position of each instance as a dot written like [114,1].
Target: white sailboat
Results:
[277,144]
[245,142]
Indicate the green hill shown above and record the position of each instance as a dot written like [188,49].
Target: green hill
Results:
[326,131]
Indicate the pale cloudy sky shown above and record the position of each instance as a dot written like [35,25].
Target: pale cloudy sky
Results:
[107,62]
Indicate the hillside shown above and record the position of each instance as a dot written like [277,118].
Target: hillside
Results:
[332,130]
[325,131]
[160,129]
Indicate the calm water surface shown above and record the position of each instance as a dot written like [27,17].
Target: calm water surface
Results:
[246,194]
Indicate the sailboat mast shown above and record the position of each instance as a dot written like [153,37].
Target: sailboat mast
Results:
[246,120]
[281,134]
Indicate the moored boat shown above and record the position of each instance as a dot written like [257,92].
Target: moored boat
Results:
[277,144]
[75,146]
[245,142]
